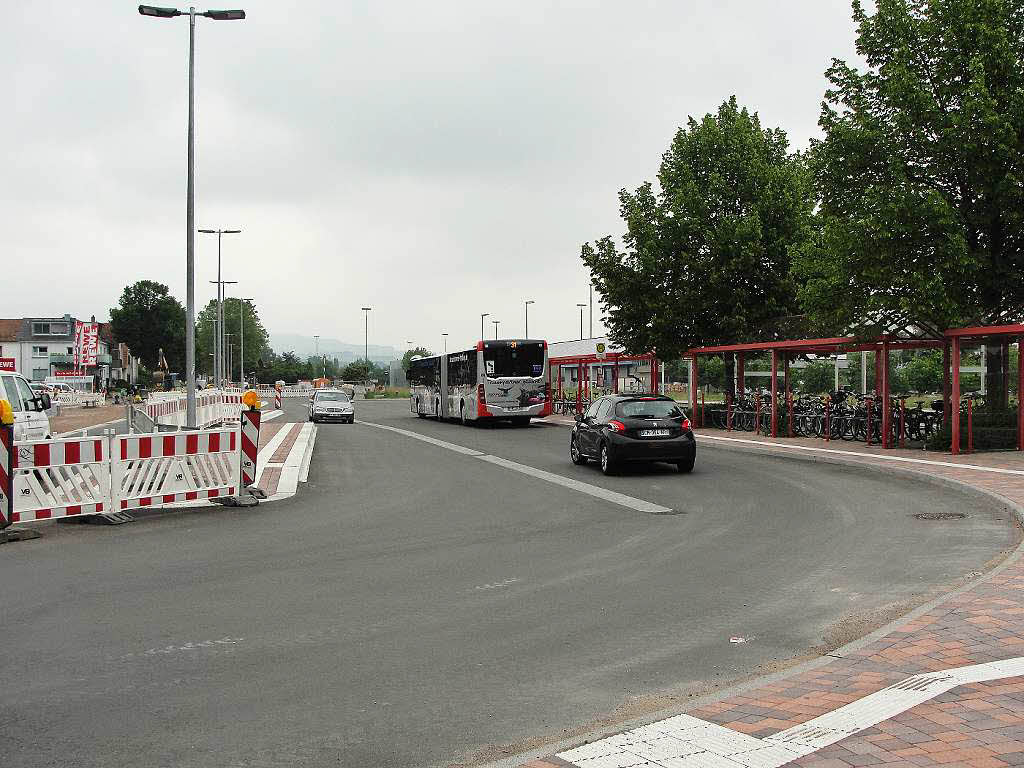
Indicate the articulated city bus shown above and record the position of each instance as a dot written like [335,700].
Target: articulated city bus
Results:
[499,379]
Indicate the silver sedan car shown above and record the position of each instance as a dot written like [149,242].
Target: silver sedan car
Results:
[331,405]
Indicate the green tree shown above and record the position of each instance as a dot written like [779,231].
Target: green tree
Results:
[817,377]
[361,370]
[919,173]
[149,319]
[706,258]
[417,352]
[923,372]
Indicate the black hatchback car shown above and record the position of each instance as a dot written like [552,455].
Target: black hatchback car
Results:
[627,428]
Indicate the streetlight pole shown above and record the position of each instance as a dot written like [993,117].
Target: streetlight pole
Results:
[482,316]
[581,306]
[227,355]
[526,306]
[241,332]
[495,328]
[219,341]
[591,310]
[366,335]
[190,219]
[445,335]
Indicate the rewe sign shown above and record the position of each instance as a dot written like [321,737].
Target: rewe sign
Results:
[7,364]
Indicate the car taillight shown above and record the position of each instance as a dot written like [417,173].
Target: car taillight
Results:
[686,423]
[480,393]
[616,426]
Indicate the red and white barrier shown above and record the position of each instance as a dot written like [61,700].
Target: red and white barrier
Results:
[6,471]
[60,478]
[277,399]
[250,446]
[162,469]
[213,406]
[50,479]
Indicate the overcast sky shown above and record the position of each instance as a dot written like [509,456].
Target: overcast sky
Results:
[431,160]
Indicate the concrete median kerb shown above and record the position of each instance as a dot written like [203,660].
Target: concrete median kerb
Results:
[980,621]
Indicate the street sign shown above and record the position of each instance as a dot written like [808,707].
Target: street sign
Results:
[600,350]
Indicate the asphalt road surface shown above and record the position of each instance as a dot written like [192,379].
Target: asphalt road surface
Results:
[414,605]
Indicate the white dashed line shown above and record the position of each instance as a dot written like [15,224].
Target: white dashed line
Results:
[684,741]
[630,502]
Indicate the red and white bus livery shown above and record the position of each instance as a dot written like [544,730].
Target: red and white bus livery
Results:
[499,379]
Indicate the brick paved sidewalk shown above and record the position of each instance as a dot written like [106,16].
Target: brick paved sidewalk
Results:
[976,724]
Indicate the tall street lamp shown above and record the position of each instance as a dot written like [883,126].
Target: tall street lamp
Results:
[526,306]
[190,220]
[241,333]
[366,335]
[482,316]
[228,345]
[219,338]
[219,341]
[581,306]
[591,310]
[445,336]
[495,327]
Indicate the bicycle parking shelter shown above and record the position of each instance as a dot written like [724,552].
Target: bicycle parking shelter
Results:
[950,341]
[594,362]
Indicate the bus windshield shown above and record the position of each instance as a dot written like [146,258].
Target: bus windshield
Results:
[506,359]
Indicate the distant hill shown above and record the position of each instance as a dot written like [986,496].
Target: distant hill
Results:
[304,346]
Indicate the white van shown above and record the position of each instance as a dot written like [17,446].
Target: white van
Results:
[30,419]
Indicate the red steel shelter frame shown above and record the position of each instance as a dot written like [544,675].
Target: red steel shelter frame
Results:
[584,362]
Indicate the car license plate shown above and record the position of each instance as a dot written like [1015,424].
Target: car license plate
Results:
[513,408]
[653,433]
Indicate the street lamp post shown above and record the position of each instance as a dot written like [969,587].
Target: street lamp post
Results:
[190,238]
[366,335]
[219,341]
[482,316]
[445,336]
[227,355]
[526,306]
[241,341]
[495,327]
[591,310]
[581,306]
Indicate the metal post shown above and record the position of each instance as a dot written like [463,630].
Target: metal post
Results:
[870,404]
[886,402]
[864,372]
[775,393]
[591,310]
[728,412]
[903,422]
[828,416]
[1020,394]
[190,225]
[954,447]
[241,345]
[970,426]
[740,358]
[221,338]
[946,390]
[693,385]
[615,373]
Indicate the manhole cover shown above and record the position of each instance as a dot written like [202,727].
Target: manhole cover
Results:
[940,515]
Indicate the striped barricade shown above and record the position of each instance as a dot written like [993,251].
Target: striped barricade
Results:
[6,473]
[185,466]
[250,446]
[60,478]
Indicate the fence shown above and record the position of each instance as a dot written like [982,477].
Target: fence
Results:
[213,406]
[289,390]
[52,479]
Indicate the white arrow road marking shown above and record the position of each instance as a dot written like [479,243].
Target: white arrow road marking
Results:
[689,742]
[597,491]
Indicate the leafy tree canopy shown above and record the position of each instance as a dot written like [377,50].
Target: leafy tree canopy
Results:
[256,336]
[706,258]
[921,169]
[148,319]
[417,352]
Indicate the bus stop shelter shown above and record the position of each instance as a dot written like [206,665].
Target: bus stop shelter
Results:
[584,364]
[783,351]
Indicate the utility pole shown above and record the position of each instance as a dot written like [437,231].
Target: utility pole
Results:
[366,335]
[581,306]
[591,310]
[482,316]
[241,331]
[190,219]
[495,328]
[445,335]
[526,306]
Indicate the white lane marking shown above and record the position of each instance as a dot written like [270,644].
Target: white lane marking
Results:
[263,457]
[591,490]
[685,741]
[270,415]
[576,485]
[432,440]
[292,468]
[497,584]
[882,457]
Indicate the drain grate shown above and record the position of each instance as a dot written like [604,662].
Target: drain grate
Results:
[940,515]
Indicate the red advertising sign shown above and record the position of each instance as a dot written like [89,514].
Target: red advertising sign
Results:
[87,344]
[7,364]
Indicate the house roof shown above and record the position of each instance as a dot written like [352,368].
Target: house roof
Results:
[9,329]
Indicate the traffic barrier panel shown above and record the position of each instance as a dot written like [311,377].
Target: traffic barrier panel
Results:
[185,466]
[277,399]
[60,478]
[250,446]
[6,475]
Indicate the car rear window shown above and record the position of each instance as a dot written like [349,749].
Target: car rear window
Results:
[649,409]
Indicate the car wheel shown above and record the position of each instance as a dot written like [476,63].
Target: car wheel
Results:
[607,464]
[574,452]
[686,465]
